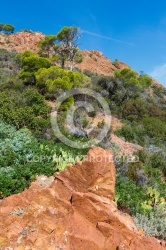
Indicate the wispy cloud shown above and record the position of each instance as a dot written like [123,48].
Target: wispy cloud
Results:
[106,37]
[159,73]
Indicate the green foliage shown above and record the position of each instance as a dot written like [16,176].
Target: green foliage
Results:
[134,110]
[132,170]
[46,45]
[157,161]
[1,27]
[137,199]
[133,132]
[156,207]
[145,81]
[155,128]
[78,57]
[6,28]
[151,128]
[125,90]
[116,64]
[55,79]
[154,167]
[130,196]
[22,158]
[30,65]
[67,34]
[24,109]
[66,104]
[67,38]
[101,124]
[128,76]
[159,91]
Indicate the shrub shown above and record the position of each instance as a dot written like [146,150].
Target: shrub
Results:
[22,158]
[24,109]
[134,110]
[155,128]
[145,81]
[133,169]
[152,224]
[129,195]
[116,64]
[101,124]
[134,132]
[55,79]
[30,65]
[78,57]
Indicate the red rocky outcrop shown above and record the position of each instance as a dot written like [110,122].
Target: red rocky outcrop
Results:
[21,41]
[73,210]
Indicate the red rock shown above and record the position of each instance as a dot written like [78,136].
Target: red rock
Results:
[93,61]
[73,210]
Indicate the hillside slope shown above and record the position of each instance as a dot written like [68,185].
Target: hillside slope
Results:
[93,61]
[21,41]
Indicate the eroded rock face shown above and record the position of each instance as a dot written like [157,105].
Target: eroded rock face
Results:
[93,61]
[96,62]
[73,210]
[21,41]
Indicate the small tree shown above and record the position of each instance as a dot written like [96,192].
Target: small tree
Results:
[67,38]
[1,27]
[46,45]
[30,65]
[8,28]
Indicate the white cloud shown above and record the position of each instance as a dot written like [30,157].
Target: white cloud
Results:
[159,73]
[106,37]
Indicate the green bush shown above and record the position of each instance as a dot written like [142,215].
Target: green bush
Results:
[133,132]
[31,64]
[155,128]
[22,109]
[78,57]
[22,158]
[133,170]
[129,196]
[55,79]
[134,110]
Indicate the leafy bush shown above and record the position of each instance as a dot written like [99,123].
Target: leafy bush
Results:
[145,81]
[134,171]
[22,109]
[152,224]
[155,128]
[22,158]
[129,196]
[30,65]
[78,57]
[134,132]
[147,130]
[55,79]
[134,110]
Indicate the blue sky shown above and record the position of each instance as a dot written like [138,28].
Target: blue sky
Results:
[133,32]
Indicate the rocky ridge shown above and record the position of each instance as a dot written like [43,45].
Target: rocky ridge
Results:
[93,60]
[21,41]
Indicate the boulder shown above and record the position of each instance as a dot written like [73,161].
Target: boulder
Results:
[73,210]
